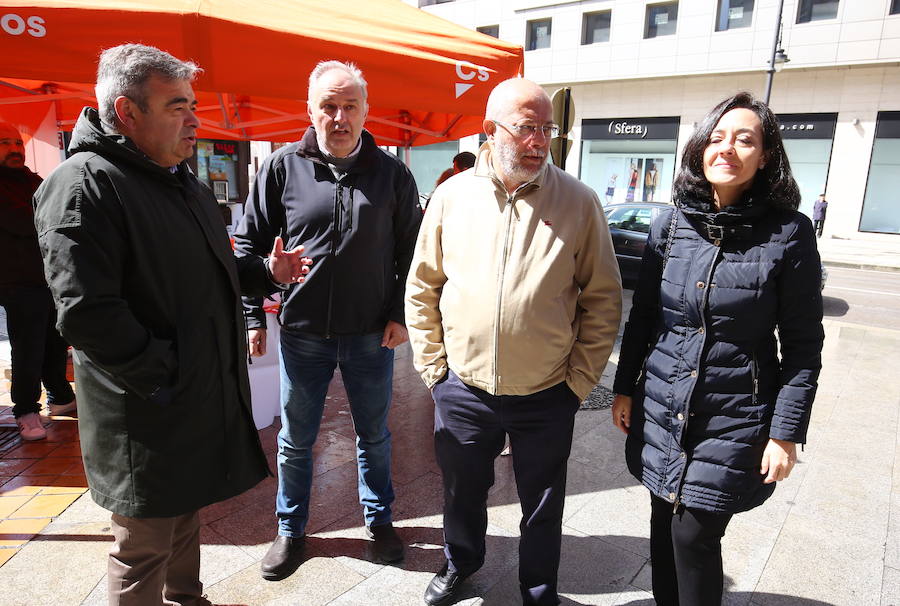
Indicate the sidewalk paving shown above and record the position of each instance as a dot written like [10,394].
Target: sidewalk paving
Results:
[881,255]
[829,536]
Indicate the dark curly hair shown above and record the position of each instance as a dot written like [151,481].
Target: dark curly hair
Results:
[773,185]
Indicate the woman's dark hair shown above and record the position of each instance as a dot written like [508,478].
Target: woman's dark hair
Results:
[773,184]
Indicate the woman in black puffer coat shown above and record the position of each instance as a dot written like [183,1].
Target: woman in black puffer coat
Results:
[712,410]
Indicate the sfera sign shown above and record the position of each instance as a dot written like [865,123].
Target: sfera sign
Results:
[16,25]
[651,129]
[624,128]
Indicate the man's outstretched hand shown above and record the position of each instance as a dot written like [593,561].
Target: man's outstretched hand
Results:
[287,266]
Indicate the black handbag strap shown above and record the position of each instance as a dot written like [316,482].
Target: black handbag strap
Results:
[670,237]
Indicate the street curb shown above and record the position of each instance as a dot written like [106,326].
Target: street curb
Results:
[867,266]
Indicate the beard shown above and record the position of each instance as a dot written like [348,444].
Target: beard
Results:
[512,169]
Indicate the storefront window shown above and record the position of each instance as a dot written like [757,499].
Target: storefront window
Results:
[629,159]
[895,7]
[881,205]
[733,14]
[427,162]
[816,10]
[660,19]
[808,140]
[217,163]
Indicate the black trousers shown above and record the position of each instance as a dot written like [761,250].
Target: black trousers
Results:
[686,555]
[470,427]
[38,352]
[818,226]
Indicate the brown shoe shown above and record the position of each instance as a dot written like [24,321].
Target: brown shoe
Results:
[283,558]
[388,546]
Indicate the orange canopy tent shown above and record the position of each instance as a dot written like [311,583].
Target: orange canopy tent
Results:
[428,78]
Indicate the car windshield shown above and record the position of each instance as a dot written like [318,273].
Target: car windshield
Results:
[631,219]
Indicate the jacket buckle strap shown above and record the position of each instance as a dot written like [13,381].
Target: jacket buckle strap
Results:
[715,232]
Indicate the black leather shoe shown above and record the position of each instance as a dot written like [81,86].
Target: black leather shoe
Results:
[442,587]
[283,558]
[388,546]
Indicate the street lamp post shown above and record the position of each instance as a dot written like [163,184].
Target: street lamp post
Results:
[778,58]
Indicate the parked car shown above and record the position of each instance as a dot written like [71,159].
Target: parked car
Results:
[629,226]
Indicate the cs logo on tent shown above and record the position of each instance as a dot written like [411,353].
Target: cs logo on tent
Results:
[467,71]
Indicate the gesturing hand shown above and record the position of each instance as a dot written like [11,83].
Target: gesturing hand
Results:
[287,266]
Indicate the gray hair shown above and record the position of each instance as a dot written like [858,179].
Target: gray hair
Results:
[349,68]
[123,71]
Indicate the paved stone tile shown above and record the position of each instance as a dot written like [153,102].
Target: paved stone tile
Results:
[54,466]
[890,587]
[841,568]
[745,551]
[32,577]
[84,511]
[318,581]
[23,485]
[15,533]
[219,558]
[32,450]
[9,504]
[6,554]
[620,517]
[44,506]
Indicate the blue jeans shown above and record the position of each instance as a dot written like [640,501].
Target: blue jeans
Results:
[307,367]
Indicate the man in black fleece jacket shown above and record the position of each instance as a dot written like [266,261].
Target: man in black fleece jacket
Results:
[354,209]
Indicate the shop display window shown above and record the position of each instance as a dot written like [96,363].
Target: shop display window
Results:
[809,160]
[217,161]
[895,7]
[734,14]
[642,175]
[538,34]
[595,27]
[881,206]
[661,19]
[816,10]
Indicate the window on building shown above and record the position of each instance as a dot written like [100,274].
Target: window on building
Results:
[490,30]
[895,7]
[733,14]
[816,10]
[538,34]
[595,27]
[430,2]
[661,19]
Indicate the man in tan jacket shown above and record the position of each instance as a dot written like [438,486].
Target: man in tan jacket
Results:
[513,304]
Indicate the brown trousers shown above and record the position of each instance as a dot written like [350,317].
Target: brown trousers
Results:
[155,561]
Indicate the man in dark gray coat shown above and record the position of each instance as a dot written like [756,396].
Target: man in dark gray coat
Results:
[148,293]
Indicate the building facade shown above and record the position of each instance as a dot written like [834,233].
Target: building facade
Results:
[643,73]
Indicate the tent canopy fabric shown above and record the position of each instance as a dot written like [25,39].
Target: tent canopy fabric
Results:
[428,78]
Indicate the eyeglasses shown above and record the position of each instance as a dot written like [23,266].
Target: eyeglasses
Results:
[526,131]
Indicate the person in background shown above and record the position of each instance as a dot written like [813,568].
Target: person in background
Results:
[356,208]
[820,208]
[38,351]
[463,161]
[513,305]
[712,412]
[147,290]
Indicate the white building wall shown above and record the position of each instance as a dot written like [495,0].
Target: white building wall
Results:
[849,65]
